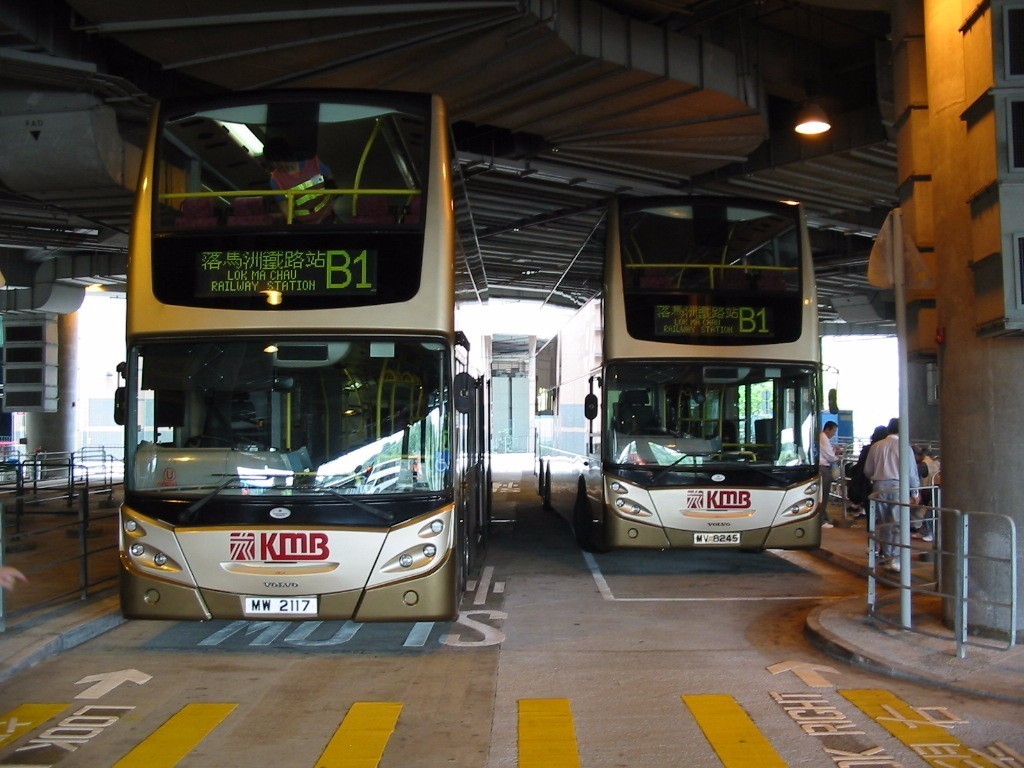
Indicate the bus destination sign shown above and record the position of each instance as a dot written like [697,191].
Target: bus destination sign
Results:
[320,272]
[714,321]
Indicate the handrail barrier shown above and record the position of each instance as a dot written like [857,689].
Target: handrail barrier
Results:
[919,574]
[53,529]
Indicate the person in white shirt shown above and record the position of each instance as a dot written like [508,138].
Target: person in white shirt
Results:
[826,458]
[883,469]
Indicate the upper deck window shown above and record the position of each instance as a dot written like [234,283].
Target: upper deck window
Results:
[711,271]
[288,162]
[712,247]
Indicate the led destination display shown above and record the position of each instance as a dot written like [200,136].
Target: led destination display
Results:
[290,272]
[714,321]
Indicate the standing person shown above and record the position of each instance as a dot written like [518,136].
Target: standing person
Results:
[883,469]
[928,469]
[826,459]
[10,575]
[860,485]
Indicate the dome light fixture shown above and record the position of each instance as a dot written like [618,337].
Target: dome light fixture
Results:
[812,120]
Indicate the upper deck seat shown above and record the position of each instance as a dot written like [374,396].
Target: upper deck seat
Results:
[250,212]
[373,209]
[198,212]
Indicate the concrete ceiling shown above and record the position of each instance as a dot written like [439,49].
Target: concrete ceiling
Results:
[556,105]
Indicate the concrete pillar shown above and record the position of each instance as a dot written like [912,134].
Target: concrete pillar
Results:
[55,432]
[914,173]
[981,408]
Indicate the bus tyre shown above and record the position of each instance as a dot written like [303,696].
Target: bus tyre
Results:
[582,520]
[464,553]
[547,488]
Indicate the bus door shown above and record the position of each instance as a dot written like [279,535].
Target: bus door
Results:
[594,428]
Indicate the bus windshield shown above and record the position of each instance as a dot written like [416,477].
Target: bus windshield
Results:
[291,163]
[695,413]
[272,416]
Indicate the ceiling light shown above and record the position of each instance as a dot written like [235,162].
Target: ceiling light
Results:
[812,120]
[244,136]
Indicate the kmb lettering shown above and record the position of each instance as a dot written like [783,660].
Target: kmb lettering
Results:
[730,499]
[279,546]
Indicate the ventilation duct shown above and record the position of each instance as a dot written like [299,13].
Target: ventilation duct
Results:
[56,143]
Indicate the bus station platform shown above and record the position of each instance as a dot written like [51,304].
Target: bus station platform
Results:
[842,629]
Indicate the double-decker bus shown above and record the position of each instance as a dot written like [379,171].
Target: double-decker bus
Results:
[678,409]
[304,437]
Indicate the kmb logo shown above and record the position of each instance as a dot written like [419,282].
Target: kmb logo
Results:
[718,499]
[248,545]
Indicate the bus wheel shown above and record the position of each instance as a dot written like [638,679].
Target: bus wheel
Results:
[582,520]
[463,555]
[547,487]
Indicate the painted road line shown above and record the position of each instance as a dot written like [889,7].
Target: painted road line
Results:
[547,734]
[609,596]
[177,737]
[919,728]
[362,736]
[419,634]
[24,718]
[732,734]
[484,586]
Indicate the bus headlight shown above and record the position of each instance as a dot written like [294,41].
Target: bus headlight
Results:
[436,526]
[429,550]
[800,508]
[405,560]
[631,508]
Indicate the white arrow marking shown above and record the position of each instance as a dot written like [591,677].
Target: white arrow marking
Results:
[108,681]
[806,672]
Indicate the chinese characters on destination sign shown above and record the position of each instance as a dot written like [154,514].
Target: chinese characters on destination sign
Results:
[291,272]
[714,320]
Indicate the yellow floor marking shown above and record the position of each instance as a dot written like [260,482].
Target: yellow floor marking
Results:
[22,719]
[177,737]
[362,736]
[547,734]
[733,735]
[915,728]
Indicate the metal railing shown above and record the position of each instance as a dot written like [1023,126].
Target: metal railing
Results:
[58,525]
[919,571]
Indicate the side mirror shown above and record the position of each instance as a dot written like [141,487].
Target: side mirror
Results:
[833,401]
[590,407]
[120,398]
[464,387]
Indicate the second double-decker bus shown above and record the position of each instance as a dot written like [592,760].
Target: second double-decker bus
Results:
[304,437]
[678,409]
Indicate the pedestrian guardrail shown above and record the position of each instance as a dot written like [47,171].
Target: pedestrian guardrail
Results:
[61,532]
[920,569]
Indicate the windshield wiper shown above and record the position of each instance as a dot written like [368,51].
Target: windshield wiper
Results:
[663,468]
[387,517]
[189,515]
